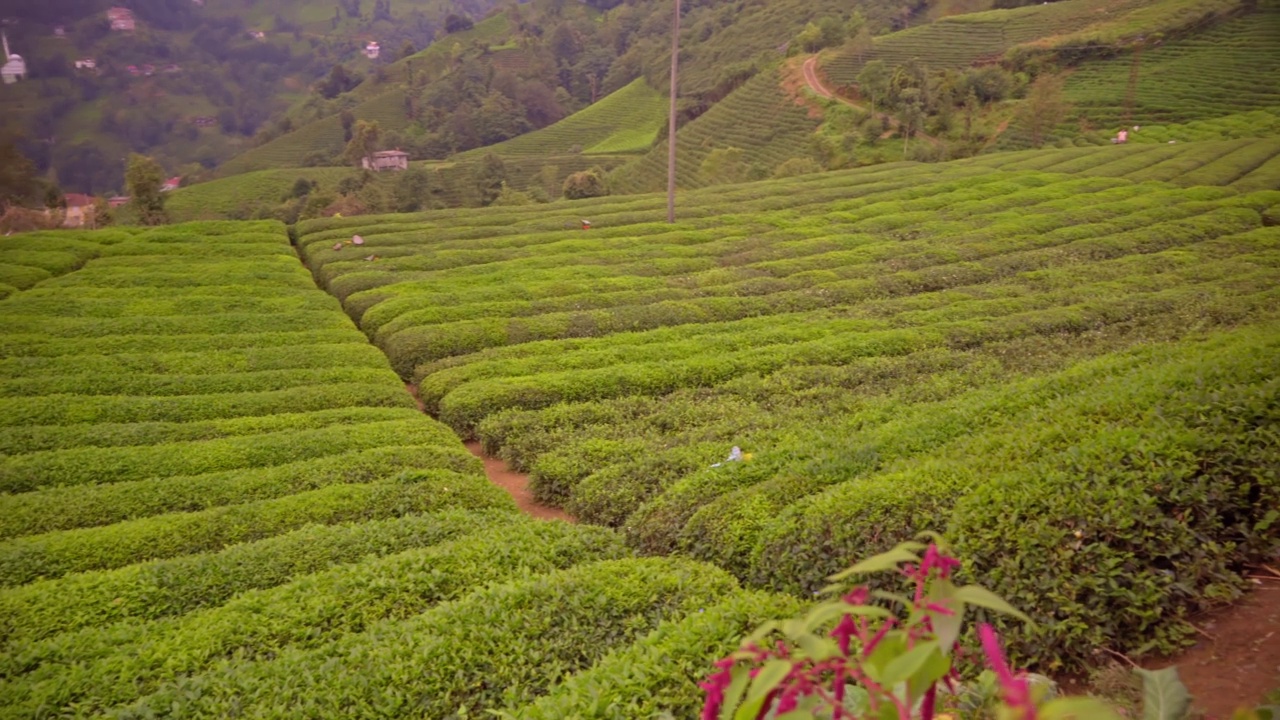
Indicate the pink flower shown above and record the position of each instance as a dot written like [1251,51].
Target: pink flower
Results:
[715,687]
[1016,689]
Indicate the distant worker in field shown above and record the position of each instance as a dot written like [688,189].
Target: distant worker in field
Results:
[586,224]
[1122,137]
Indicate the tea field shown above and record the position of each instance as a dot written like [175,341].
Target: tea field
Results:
[626,121]
[758,118]
[1228,69]
[1052,356]
[217,498]
[213,488]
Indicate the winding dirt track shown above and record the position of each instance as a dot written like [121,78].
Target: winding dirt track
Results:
[500,474]
[811,78]
[517,485]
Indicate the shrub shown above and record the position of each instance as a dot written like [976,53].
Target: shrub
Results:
[165,588]
[55,554]
[80,466]
[78,506]
[501,646]
[585,184]
[1148,528]
[657,674]
[84,667]
[70,409]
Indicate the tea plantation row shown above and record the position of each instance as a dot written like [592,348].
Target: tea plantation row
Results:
[216,498]
[1064,363]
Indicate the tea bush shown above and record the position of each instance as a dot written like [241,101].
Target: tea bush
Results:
[166,588]
[497,647]
[657,674]
[28,558]
[85,667]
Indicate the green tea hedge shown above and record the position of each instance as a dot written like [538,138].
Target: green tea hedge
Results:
[660,673]
[501,646]
[165,588]
[85,667]
[55,554]
[78,506]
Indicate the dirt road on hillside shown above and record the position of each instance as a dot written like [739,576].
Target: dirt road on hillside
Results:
[811,79]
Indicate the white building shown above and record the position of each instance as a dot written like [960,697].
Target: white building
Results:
[15,68]
[372,50]
[121,19]
[386,160]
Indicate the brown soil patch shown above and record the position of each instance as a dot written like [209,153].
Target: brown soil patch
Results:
[517,485]
[500,474]
[1237,661]
[793,84]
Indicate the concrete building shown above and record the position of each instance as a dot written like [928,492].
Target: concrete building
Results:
[387,160]
[15,68]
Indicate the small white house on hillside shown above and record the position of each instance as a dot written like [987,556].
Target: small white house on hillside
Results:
[387,160]
[15,68]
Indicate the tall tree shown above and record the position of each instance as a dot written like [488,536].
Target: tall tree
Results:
[873,81]
[18,182]
[144,177]
[1043,109]
[364,142]
[490,177]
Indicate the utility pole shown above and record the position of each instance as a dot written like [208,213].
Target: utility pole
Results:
[671,118]
[1131,92]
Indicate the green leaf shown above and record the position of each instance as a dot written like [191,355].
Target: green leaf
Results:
[947,628]
[908,664]
[816,648]
[1164,697]
[884,561]
[1077,708]
[982,597]
[902,600]
[771,673]
[741,675]
[823,614]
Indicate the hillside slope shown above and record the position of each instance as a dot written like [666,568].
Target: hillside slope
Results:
[981,347]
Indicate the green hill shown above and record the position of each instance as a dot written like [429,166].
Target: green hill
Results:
[1083,26]
[897,346]
[758,119]
[626,121]
[1227,69]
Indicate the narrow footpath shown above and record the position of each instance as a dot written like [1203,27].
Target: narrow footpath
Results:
[810,71]
[517,486]
[499,473]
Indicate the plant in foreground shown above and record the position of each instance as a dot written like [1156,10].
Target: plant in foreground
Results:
[853,659]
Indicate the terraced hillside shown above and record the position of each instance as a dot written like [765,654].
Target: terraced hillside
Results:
[1028,360]
[216,498]
[626,121]
[1229,69]
[454,184]
[757,118]
[961,40]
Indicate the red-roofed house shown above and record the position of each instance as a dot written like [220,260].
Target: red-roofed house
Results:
[79,210]
[171,184]
[121,19]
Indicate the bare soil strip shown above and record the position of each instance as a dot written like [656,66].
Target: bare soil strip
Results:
[516,484]
[1237,661]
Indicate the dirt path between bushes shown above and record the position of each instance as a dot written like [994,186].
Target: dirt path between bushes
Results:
[517,485]
[1237,661]
[499,473]
[810,70]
